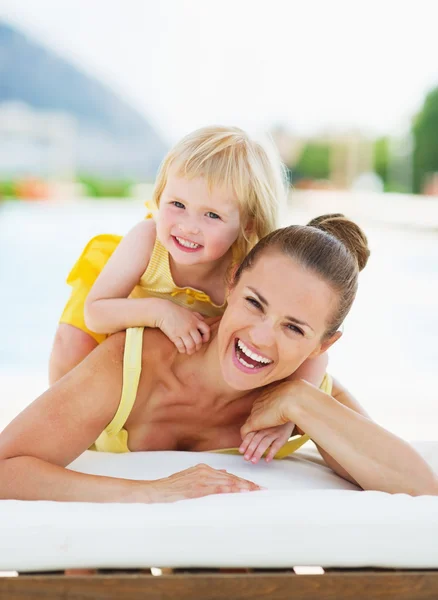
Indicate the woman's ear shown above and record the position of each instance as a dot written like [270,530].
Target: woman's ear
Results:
[325,345]
[233,272]
[330,341]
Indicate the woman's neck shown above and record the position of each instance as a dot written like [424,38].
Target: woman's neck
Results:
[204,368]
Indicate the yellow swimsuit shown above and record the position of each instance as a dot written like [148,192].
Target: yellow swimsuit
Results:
[114,438]
[156,282]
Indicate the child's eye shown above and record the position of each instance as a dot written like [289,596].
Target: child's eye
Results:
[295,329]
[178,204]
[212,215]
[254,302]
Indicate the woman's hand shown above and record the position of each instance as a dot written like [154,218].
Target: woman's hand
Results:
[276,405]
[197,482]
[255,444]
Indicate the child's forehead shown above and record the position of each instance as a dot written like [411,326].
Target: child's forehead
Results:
[187,188]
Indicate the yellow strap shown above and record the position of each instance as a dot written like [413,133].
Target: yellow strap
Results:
[192,295]
[131,376]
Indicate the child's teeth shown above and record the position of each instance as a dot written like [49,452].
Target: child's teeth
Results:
[187,244]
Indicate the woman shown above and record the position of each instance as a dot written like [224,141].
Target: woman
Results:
[288,300]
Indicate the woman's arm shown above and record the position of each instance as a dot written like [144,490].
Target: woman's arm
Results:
[365,452]
[64,421]
[108,308]
[57,427]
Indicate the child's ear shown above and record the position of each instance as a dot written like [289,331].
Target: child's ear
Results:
[230,284]
[249,228]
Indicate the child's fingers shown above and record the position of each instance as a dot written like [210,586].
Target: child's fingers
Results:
[197,338]
[199,316]
[204,329]
[179,345]
[244,445]
[188,343]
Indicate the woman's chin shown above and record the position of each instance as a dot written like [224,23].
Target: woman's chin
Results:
[241,378]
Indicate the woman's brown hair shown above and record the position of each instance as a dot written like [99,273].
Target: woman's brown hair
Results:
[331,246]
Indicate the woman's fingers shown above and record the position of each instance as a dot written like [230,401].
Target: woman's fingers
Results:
[255,441]
[200,481]
[246,442]
[275,447]
[261,449]
[258,446]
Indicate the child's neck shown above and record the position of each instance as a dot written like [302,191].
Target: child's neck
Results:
[209,277]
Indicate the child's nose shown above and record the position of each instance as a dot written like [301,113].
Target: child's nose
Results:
[189,227]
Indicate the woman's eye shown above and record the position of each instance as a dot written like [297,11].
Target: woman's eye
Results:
[212,215]
[295,329]
[178,204]
[253,302]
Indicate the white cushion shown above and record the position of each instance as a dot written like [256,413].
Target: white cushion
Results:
[308,516]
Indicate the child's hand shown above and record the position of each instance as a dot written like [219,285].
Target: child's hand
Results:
[186,329]
[256,443]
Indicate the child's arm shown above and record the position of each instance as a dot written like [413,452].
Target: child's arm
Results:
[312,370]
[108,308]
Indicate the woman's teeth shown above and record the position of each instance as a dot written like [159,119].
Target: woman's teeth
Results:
[186,243]
[251,355]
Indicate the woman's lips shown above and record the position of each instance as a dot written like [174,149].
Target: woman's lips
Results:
[245,363]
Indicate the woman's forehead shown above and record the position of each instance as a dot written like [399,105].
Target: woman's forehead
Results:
[288,286]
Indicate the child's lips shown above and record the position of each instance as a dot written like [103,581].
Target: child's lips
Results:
[186,245]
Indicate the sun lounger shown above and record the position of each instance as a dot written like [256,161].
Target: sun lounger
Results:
[310,535]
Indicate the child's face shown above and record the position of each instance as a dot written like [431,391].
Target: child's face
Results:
[195,224]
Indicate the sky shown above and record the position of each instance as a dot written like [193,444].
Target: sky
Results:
[311,65]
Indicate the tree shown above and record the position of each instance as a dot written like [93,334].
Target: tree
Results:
[425,131]
[314,162]
[381,158]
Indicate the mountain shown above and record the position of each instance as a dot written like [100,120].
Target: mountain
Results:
[111,137]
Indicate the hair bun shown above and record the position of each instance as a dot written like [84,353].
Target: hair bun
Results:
[347,232]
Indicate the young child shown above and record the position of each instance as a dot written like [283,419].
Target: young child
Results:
[217,193]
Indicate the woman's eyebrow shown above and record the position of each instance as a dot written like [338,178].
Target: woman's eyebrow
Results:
[266,303]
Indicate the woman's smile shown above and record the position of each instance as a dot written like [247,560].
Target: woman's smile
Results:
[247,359]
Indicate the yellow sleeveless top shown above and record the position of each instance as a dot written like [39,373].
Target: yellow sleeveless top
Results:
[114,438]
[156,282]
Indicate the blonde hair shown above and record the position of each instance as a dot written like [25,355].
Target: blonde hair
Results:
[227,156]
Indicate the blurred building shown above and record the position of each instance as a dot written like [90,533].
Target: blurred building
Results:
[36,143]
[327,160]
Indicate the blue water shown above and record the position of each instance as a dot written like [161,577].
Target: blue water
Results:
[388,352]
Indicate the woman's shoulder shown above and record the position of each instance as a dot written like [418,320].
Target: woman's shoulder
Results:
[157,347]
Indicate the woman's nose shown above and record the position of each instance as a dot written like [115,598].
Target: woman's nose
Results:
[262,334]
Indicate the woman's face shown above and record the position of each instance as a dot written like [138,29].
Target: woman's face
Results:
[276,318]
